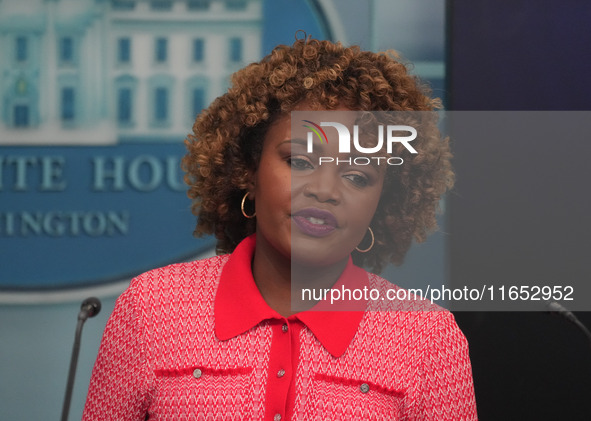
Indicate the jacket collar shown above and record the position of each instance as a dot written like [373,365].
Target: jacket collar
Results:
[239,306]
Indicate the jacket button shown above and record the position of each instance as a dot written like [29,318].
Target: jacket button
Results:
[364,388]
[197,373]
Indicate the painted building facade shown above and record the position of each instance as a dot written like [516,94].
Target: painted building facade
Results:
[102,72]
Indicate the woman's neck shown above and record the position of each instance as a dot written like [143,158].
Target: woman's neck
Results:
[274,274]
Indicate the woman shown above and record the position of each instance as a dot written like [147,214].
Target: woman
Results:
[219,338]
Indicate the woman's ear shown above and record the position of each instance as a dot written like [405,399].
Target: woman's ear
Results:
[251,185]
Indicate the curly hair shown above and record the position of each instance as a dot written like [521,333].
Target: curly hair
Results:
[225,147]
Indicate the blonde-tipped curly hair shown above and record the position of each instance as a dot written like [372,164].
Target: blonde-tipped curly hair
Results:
[225,147]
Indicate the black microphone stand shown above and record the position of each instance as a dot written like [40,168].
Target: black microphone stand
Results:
[555,308]
[89,308]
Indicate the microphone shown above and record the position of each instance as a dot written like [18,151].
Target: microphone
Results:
[89,308]
[555,308]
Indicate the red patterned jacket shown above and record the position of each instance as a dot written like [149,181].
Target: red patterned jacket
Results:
[194,342]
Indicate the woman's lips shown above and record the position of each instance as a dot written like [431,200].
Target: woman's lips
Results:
[315,222]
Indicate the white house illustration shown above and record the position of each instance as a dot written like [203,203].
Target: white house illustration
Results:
[107,71]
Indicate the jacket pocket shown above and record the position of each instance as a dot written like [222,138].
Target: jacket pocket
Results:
[334,397]
[201,392]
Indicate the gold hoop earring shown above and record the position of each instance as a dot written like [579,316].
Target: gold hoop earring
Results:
[370,246]
[242,208]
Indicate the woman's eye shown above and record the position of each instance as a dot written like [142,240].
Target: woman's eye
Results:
[358,180]
[299,164]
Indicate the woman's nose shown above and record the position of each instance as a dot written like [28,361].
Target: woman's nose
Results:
[324,186]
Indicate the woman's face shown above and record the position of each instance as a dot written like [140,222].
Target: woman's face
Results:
[313,214]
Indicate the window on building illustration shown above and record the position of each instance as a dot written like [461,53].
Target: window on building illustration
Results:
[21,116]
[66,49]
[124,106]
[235,4]
[198,4]
[235,49]
[21,47]
[122,4]
[161,4]
[68,108]
[124,50]
[161,52]
[161,104]
[198,102]
[198,49]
